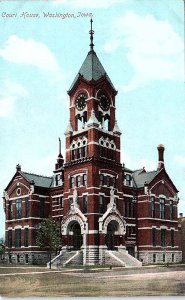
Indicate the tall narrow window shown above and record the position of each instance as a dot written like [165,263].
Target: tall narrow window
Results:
[79,152]
[42,208]
[172,238]
[73,154]
[18,209]
[154,236]
[171,210]
[10,210]
[72,182]
[9,238]
[108,181]
[61,201]
[101,204]
[152,207]
[26,208]
[163,237]
[162,207]
[17,238]
[128,179]
[26,237]
[78,180]
[84,179]
[101,179]
[114,182]
[85,203]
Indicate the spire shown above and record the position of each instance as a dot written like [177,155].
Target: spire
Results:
[60,159]
[91,32]
[91,68]
[116,129]
[59,146]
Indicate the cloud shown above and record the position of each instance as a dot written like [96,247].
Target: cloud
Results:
[9,93]
[90,3]
[30,52]
[154,49]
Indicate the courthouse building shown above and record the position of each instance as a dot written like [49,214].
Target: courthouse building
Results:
[108,213]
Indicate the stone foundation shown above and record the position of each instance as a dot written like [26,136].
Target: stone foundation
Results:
[30,258]
[160,257]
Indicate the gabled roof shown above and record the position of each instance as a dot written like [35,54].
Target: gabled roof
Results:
[39,180]
[141,177]
[91,69]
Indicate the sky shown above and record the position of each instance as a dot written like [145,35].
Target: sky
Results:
[141,46]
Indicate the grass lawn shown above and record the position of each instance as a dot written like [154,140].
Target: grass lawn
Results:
[82,283]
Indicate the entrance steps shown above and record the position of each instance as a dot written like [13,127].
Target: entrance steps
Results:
[66,258]
[121,258]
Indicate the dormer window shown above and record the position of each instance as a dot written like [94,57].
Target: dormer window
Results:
[128,179]
[57,179]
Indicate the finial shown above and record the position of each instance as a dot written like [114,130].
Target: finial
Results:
[91,32]
[59,145]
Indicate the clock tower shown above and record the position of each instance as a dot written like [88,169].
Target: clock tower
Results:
[93,184]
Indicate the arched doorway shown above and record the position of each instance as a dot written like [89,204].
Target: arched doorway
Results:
[77,239]
[110,240]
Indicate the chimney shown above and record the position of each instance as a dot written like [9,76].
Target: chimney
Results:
[18,168]
[160,157]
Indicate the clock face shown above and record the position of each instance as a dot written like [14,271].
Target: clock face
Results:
[80,101]
[104,102]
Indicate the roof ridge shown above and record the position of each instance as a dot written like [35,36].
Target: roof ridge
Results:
[36,174]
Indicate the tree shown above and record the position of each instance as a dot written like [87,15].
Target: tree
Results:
[48,236]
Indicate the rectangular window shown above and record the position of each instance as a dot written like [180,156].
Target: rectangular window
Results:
[79,152]
[154,236]
[162,207]
[57,179]
[101,204]
[173,257]
[73,154]
[9,238]
[152,207]
[108,181]
[84,151]
[72,182]
[10,210]
[42,208]
[114,182]
[84,179]
[85,203]
[18,209]
[164,257]
[26,258]
[26,237]
[17,238]
[171,210]
[26,208]
[78,180]
[154,257]
[163,237]
[129,208]
[128,179]
[172,238]
[101,179]
[61,201]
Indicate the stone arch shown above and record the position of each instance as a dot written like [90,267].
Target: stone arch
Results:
[121,224]
[69,221]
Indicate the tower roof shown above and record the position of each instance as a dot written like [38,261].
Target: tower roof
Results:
[91,68]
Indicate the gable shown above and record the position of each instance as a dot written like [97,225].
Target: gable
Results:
[163,185]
